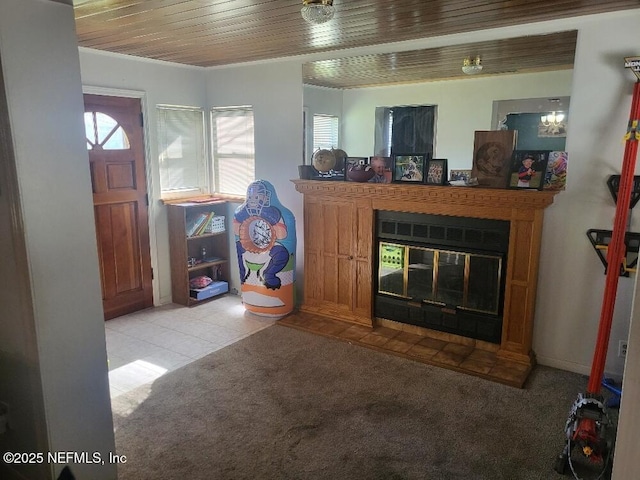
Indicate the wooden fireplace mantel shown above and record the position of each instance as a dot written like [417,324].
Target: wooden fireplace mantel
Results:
[339,246]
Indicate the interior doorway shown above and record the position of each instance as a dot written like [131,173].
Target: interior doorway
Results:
[114,133]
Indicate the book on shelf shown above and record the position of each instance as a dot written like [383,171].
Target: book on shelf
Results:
[205,223]
[203,226]
[194,223]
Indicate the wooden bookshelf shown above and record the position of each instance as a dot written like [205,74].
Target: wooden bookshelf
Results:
[214,263]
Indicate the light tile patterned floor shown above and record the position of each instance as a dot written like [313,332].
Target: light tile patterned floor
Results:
[145,345]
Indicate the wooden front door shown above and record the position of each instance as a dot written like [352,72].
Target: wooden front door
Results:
[116,156]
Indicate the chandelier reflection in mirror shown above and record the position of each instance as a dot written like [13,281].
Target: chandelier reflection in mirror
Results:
[552,125]
[316,12]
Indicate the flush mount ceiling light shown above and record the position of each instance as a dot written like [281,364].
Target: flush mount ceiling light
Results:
[472,66]
[317,11]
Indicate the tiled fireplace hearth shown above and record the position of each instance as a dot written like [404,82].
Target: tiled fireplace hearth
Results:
[341,267]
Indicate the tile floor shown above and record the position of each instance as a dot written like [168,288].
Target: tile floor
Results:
[145,345]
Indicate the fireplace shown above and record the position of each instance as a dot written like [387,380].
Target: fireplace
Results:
[443,273]
[342,236]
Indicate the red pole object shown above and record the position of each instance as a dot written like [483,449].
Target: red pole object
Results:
[616,251]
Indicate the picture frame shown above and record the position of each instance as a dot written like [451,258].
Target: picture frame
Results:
[556,177]
[437,171]
[460,176]
[362,174]
[528,169]
[409,168]
[492,155]
[383,168]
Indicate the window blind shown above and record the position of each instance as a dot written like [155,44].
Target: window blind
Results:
[181,151]
[232,139]
[325,132]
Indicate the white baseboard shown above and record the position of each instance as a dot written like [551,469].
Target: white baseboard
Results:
[574,367]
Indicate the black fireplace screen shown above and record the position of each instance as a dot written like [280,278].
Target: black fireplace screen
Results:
[463,280]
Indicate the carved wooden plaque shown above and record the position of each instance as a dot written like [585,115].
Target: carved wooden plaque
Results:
[492,151]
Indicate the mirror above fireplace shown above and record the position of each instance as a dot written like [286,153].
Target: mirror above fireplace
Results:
[520,67]
[533,53]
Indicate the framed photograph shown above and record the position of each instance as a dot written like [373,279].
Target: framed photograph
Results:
[556,177]
[382,166]
[460,176]
[357,169]
[528,169]
[492,152]
[437,171]
[409,168]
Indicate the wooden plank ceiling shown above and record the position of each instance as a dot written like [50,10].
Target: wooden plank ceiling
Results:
[219,32]
[508,56]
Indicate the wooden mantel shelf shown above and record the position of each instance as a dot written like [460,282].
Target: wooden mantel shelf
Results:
[339,247]
[486,202]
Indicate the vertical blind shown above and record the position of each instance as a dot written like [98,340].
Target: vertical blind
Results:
[232,139]
[181,148]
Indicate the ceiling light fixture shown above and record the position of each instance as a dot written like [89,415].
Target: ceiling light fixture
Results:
[472,66]
[316,12]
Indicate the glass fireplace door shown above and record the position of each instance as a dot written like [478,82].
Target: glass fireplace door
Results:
[463,280]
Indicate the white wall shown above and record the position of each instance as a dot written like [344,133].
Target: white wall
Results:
[464,106]
[19,368]
[275,92]
[158,83]
[40,64]
[626,452]
[571,276]
[278,125]
[321,100]
[571,280]
[567,311]
[54,188]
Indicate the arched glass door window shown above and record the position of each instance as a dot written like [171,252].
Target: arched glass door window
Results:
[104,133]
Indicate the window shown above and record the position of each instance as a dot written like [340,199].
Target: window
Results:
[181,148]
[104,132]
[232,140]
[325,132]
